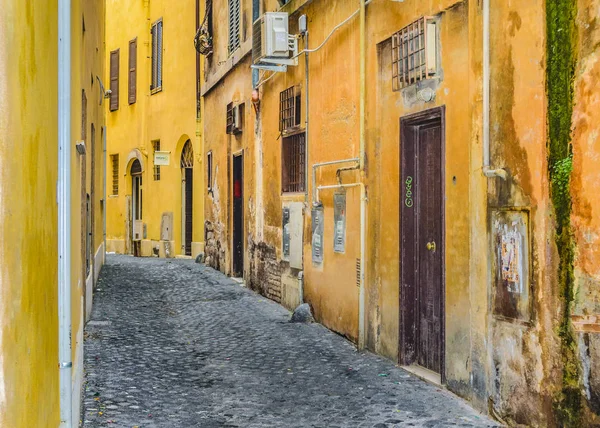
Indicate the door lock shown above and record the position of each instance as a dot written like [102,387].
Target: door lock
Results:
[431,246]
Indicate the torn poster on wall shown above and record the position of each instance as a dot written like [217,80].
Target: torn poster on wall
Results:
[510,231]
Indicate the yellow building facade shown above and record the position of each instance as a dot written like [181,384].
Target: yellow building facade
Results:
[410,178]
[29,326]
[155,205]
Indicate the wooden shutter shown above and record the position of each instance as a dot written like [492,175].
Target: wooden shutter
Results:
[157,50]
[132,70]
[114,80]
[153,80]
[234,25]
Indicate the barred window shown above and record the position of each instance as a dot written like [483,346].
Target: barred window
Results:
[156,147]
[209,168]
[414,53]
[292,163]
[290,107]
[115,174]
[157,56]
[234,41]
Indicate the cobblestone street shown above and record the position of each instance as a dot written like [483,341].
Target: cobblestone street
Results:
[176,344]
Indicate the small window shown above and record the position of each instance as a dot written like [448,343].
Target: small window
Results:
[234,41]
[114,80]
[290,108]
[157,56]
[292,163]
[114,159]
[132,71]
[156,147]
[414,53]
[209,169]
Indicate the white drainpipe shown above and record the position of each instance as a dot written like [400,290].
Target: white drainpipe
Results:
[488,171]
[64,211]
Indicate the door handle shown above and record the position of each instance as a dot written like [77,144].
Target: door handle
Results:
[430,246]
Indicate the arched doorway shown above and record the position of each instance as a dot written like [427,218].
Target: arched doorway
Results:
[136,189]
[136,205]
[187,201]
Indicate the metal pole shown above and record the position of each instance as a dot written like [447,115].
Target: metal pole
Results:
[64,212]
[488,171]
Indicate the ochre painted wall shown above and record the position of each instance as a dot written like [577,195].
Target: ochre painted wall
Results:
[514,368]
[168,115]
[28,250]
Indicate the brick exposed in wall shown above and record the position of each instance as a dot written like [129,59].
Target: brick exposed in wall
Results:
[265,271]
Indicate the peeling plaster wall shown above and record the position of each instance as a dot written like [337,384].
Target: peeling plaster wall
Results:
[585,190]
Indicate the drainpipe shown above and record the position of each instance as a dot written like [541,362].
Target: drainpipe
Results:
[488,171]
[301,286]
[104,188]
[363,85]
[255,17]
[64,211]
[306,140]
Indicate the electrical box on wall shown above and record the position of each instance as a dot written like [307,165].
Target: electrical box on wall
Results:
[339,222]
[138,230]
[317,235]
[293,226]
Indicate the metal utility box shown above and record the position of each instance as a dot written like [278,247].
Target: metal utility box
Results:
[293,226]
[339,222]
[317,235]
[139,230]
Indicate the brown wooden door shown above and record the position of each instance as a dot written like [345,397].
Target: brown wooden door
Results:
[189,209]
[238,216]
[422,240]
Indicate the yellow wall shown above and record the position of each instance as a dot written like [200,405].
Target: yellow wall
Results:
[28,253]
[168,116]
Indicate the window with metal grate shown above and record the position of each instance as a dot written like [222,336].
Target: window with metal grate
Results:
[156,147]
[209,168]
[414,53]
[290,107]
[114,159]
[157,56]
[292,163]
[234,42]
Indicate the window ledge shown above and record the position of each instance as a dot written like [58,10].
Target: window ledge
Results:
[156,90]
[294,6]
[234,59]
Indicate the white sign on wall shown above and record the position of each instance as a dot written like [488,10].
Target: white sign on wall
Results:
[162,158]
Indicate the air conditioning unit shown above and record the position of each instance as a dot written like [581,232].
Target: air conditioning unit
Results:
[138,230]
[270,37]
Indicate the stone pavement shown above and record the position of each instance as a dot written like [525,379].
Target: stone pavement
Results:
[176,344]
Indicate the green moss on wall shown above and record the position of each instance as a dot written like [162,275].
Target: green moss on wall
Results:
[561,57]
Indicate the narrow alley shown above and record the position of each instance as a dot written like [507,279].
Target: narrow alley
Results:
[177,344]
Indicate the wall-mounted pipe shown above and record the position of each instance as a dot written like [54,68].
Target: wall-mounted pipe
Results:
[64,212]
[488,171]
[104,188]
[322,164]
[301,286]
[363,83]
